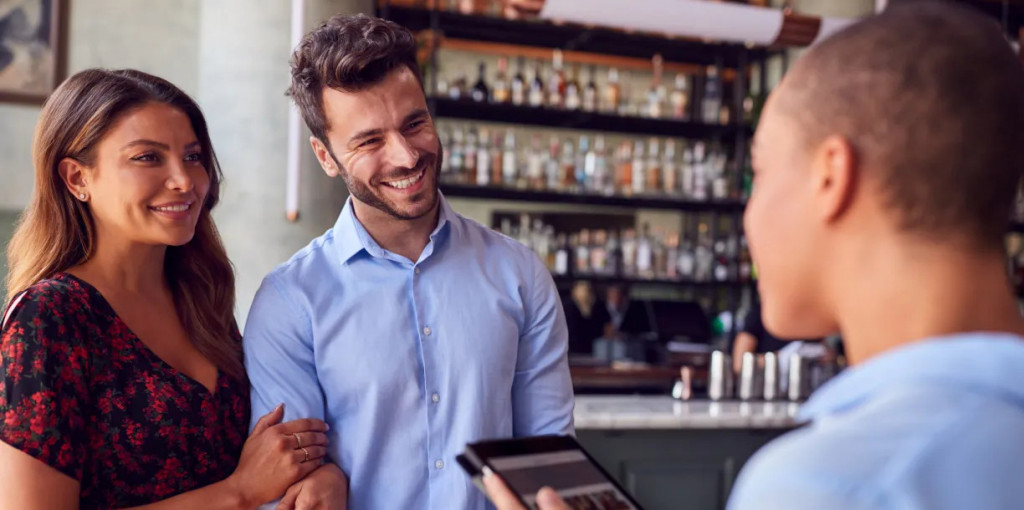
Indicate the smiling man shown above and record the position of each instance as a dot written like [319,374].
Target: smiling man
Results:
[408,328]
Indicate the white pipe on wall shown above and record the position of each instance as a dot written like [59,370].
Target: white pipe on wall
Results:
[294,158]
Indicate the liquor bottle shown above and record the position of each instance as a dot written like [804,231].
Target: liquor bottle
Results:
[644,254]
[590,92]
[562,256]
[567,177]
[721,268]
[457,153]
[536,95]
[624,169]
[502,92]
[599,253]
[720,180]
[712,103]
[614,253]
[700,173]
[469,158]
[612,92]
[629,253]
[573,99]
[519,84]
[525,235]
[653,166]
[483,159]
[703,255]
[580,178]
[680,98]
[535,163]
[671,267]
[540,240]
[497,161]
[457,88]
[687,260]
[550,247]
[509,166]
[583,253]
[553,171]
[656,95]
[599,179]
[670,170]
[659,250]
[481,94]
[687,184]
[639,171]
[590,177]
[557,84]
[445,139]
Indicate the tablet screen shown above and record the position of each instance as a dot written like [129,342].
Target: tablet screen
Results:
[581,484]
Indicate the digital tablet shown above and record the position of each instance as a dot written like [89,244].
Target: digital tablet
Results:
[559,462]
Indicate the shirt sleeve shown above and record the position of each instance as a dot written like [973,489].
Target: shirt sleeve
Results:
[542,395]
[43,385]
[791,473]
[278,345]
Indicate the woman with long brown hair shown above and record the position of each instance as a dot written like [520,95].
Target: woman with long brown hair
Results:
[122,379]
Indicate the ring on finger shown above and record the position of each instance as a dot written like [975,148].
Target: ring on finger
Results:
[298,442]
[305,454]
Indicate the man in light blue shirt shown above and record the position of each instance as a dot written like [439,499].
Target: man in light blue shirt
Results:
[409,329]
[886,165]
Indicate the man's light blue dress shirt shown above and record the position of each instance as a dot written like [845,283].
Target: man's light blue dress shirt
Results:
[408,361]
[938,425]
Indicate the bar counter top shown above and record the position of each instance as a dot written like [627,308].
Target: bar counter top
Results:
[604,412]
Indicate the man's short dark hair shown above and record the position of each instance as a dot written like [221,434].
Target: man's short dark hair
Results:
[931,97]
[348,53]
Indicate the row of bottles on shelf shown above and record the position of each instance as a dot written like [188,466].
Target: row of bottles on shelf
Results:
[559,90]
[492,157]
[647,254]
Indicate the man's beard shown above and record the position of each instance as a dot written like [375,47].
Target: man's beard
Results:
[367,195]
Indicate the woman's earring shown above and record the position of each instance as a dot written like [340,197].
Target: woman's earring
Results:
[81,196]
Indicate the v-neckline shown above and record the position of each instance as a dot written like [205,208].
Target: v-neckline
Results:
[154,358]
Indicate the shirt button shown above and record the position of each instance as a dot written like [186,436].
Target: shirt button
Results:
[439,464]
[417,270]
[426,330]
[435,397]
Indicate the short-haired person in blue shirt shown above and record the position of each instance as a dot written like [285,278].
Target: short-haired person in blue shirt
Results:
[409,329]
[886,163]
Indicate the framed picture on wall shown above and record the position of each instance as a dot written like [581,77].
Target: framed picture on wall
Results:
[33,48]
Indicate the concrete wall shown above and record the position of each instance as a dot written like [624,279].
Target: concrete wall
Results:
[156,36]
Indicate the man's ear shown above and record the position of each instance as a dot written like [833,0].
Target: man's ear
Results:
[73,173]
[835,176]
[324,156]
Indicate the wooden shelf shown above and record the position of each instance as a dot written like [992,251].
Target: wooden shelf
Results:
[573,119]
[569,37]
[575,57]
[566,280]
[557,197]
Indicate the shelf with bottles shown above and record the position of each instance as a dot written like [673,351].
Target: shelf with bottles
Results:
[700,255]
[482,21]
[497,162]
[610,99]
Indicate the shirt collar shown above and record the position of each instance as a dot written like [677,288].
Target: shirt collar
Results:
[985,362]
[351,238]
